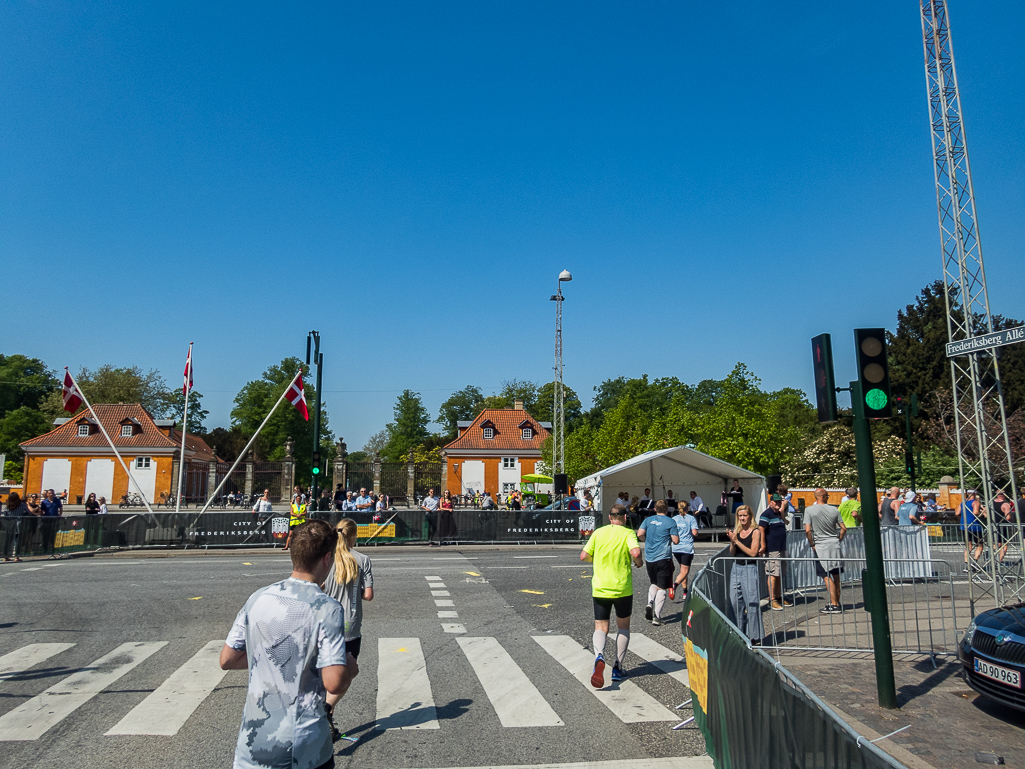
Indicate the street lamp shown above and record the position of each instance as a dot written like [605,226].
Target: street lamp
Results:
[559,405]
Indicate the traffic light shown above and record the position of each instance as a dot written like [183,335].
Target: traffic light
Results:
[316,463]
[825,387]
[873,372]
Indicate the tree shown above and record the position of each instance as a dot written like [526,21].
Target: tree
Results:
[830,460]
[513,390]
[409,428]
[461,405]
[543,406]
[109,384]
[19,425]
[24,381]
[197,414]
[226,444]
[375,443]
[255,400]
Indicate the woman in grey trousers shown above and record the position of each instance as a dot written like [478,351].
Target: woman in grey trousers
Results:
[746,540]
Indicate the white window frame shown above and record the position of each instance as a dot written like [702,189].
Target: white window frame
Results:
[489,433]
[127,431]
[142,463]
[508,488]
[508,463]
[527,433]
[83,431]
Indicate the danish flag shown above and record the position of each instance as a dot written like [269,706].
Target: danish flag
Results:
[188,374]
[297,397]
[72,397]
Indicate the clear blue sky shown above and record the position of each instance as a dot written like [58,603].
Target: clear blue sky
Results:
[724,181]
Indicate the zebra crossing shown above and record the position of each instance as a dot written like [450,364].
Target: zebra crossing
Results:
[405,696]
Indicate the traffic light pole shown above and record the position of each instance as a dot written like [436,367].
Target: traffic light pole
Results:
[318,358]
[873,578]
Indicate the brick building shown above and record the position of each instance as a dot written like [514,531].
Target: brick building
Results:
[493,451]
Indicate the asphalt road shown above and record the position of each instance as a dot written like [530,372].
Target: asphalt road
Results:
[497,683]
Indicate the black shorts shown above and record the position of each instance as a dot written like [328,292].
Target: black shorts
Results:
[352,646]
[683,559]
[974,536]
[661,573]
[624,606]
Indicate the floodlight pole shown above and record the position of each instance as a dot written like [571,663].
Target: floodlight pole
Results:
[558,399]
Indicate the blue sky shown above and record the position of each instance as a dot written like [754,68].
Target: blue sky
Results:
[724,181]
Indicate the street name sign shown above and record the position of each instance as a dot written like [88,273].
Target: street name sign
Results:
[985,341]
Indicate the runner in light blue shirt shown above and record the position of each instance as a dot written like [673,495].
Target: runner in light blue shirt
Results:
[659,534]
[687,526]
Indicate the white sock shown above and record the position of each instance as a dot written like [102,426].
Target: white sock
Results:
[651,593]
[660,601]
[622,642]
[599,642]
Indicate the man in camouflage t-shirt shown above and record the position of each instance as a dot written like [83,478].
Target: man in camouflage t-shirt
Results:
[290,637]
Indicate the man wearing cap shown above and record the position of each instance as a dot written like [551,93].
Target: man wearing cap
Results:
[850,509]
[907,514]
[774,544]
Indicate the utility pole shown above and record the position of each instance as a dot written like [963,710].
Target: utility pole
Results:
[318,358]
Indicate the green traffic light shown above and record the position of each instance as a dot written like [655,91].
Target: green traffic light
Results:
[876,399]
[316,471]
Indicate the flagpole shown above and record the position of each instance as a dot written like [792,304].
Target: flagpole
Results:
[243,452]
[112,446]
[185,427]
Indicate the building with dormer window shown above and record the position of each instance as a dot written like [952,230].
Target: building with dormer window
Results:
[493,451]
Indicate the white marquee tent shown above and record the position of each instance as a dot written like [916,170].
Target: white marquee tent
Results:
[680,469]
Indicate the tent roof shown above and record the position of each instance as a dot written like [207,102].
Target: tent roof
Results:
[669,464]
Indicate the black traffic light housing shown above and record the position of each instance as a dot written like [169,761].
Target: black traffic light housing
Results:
[316,463]
[873,372]
[825,386]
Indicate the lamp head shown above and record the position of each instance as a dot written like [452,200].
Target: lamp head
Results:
[565,277]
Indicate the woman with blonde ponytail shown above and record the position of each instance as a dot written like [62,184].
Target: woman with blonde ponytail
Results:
[350,582]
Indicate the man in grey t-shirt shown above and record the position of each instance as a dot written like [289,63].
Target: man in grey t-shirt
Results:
[825,529]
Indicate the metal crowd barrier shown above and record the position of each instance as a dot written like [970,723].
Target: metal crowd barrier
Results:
[906,549]
[923,609]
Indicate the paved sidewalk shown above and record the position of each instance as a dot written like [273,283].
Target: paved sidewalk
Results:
[949,723]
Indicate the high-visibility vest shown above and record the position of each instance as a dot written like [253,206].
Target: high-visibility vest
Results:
[298,515]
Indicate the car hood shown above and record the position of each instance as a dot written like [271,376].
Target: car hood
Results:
[1010,618]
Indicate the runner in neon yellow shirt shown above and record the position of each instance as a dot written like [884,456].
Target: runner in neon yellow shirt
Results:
[612,549]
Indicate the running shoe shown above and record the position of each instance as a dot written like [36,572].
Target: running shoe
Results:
[598,674]
[618,674]
[656,621]
[649,611]
[672,592]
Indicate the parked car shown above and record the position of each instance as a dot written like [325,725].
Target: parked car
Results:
[992,654]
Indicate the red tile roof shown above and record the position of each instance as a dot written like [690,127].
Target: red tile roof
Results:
[111,415]
[507,424]
[201,451]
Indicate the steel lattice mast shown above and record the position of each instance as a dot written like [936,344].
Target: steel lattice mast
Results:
[559,399]
[980,422]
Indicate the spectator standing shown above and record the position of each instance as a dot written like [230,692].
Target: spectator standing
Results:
[290,637]
[825,530]
[430,508]
[907,513]
[350,582]
[297,494]
[774,544]
[736,495]
[92,506]
[658,533]
[850,509]
[382,503]
[364,503]
[446,516]
[348,504]
[16,509]
[339,497]
[613,549]
[487,503]
[746,544]
[324,503]
[53,509]
[296,516]
[888,508]
[263,503]
[103,505]
[683,551]
[52,505]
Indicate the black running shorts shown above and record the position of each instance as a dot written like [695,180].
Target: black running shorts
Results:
[683,559]
[603,607]
[352,646]
[661,573]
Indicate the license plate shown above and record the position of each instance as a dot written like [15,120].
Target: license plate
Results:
[997,673]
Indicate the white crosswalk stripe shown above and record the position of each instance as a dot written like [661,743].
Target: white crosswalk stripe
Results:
[165,711]
[28,657]
[626,700]
[30,720]
[658,655]
[515,699]
[404,697]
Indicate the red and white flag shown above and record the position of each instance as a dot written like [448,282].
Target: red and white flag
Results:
[297,397]
[188,374]
[72,397]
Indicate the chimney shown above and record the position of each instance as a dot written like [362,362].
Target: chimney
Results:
[518,405]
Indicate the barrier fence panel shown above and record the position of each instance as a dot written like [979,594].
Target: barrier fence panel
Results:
[751,710]
[360,475]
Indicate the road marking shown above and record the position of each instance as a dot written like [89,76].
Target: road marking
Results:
[626,700]
[472,573]
[460,558]
[535,556]
[28,657]
[534,592]
[508,567]
[440,593]
[30,720]
[444,602]
[658,655]
[447,614]
[572,566]
[451,627]
[404,699]
[429,579]
[515,699]
[33,568]
[166,710]
[683,762]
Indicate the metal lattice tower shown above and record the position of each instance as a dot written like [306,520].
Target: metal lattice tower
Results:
[980,423]
[559,399]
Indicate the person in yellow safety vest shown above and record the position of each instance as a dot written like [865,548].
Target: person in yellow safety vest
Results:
[296,517]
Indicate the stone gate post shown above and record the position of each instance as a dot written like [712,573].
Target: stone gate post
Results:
[288,471]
